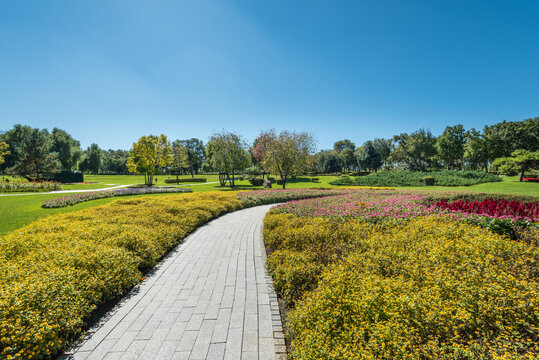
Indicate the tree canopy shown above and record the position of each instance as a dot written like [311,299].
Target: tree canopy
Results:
[227,154]
[148,154]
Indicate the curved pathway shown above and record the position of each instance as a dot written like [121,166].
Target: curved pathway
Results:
[210,298]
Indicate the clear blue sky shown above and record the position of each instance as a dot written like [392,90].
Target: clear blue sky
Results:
[110,71]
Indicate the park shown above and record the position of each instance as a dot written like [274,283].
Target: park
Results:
[235,180]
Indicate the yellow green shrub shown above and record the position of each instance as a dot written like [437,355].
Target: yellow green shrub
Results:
[53,272]
[433,289]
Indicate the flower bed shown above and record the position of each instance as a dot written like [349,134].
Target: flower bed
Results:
[70,200]
[495,208]
[185,180]
[29,186]
[531,179]
[385,275]
[57,269]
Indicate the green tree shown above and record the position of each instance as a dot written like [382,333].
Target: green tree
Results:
[15,138]
[476,150]
[67,148]
[416,151]
[227,154]
[196,154]
[35,159]
[329,162]
[450,146]
[347,158]
[149,154]
[180,157]
[507,136]
[368,158]
[93,159]
[384,147]
[343,144]
[115,161]
[522,160]
[3,151]
[288,153]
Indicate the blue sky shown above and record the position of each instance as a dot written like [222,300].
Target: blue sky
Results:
[110,71]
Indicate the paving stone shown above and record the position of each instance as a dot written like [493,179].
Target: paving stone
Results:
[209,298]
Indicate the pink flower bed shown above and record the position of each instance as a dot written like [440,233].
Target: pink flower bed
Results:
[495,208]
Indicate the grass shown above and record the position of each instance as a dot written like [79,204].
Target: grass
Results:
[20,210]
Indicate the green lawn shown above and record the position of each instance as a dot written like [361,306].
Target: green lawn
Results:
[20,210]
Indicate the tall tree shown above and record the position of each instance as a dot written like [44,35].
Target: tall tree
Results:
[115,161]
[476,150]
[288,153]
[344,144]
[148,154]
[450,146]
[180,157]
[415,151]
[368,158]
[67,148]
[196,154]
[35,158]
[93,158]
[259,148]
[227,154]
[329,161]
[384,147]
[347,158]
[15,138]
[3,151]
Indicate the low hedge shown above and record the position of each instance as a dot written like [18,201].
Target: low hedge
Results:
[433,288]
[185,180]
[29,186]
[415,178]
[69,177]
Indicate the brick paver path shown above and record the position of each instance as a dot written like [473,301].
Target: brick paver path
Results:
[210,298]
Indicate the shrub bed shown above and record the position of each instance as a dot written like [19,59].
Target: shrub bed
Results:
[186,180]
[57,269]
[29,186]
[414,178]
[432,287]
[70,200]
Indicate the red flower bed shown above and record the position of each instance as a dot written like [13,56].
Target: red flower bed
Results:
[531,179]
[495,208]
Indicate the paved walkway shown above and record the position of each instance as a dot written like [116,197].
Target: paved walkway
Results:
[210,298]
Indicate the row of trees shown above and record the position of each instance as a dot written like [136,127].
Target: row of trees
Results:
[456,148]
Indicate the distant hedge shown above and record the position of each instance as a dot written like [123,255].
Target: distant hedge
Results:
[191,180]
[68,177]
[415,178]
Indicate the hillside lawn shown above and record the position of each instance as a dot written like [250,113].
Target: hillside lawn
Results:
[18,211]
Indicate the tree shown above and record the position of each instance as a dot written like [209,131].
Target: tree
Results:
[507,136]
[15,138]
[476,150]
[196,154]
[260,146]
[415,151]
[450,146]
[347,158]
[521,159]
[344,144]
[148,154]
[226,154]
[288,153]
[115,161]
[92,160]
[67,148]
[35,158]
[329,162]
[368,158]
[3,151]
[384,147]
[180,157]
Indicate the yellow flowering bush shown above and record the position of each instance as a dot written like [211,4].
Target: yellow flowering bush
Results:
[53,272]
[433,288]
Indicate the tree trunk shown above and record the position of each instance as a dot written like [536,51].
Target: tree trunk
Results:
[522,173]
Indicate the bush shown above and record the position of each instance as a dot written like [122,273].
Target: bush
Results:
[57,269]
[432,289]
[428,180]
[256,182]
[29,186]
[412,178]
[185,180]
[68,177]
[70,200]
[315,179]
